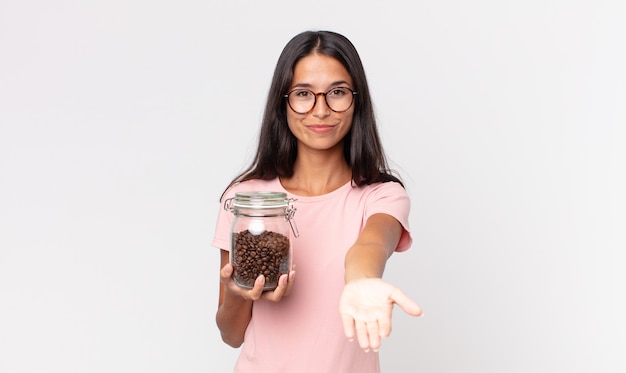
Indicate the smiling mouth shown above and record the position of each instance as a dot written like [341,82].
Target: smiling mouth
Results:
[320,128]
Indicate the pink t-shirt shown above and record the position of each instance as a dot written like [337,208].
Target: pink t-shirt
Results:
[303,332]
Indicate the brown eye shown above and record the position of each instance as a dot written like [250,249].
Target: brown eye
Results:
[337,92]
[302,93]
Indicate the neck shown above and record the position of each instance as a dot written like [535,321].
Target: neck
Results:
[317,174]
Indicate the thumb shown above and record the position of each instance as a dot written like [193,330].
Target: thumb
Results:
[227,270]
[407,304]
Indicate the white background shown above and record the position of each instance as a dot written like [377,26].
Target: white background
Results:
[122,121]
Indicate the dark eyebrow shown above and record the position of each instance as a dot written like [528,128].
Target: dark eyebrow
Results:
[339,83]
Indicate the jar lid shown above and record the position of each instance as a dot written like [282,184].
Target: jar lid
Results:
[260,200]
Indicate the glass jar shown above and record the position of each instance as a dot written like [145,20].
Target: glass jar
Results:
[260,237]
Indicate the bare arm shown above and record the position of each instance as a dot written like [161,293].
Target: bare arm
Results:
[234,312]
[369,254]
[235,304]
[367,301]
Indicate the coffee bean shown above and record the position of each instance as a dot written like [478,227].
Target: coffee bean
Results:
[266,253]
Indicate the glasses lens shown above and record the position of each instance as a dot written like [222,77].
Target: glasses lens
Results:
[301,100]
[338,99]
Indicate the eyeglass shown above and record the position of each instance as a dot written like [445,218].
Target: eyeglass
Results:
[338,99]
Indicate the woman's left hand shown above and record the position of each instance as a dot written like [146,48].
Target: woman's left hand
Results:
[366,306]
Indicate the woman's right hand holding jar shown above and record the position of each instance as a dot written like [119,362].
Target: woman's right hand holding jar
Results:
[285,284]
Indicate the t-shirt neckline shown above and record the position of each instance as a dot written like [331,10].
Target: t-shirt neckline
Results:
[328,195]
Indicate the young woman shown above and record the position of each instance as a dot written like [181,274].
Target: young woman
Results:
[319,144]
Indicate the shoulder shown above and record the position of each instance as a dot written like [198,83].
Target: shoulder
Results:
[389,188]
[376,196]
[388,197]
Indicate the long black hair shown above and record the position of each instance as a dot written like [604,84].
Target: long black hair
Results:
[277,147]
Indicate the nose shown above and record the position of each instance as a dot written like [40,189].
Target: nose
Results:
[321,108]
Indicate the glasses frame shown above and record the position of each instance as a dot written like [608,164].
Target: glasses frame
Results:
[286,96]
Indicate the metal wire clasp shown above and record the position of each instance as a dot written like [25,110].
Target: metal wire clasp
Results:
[228,204]
[289,212]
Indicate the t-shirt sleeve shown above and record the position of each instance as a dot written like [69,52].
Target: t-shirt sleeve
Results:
[225,218]
[392,199]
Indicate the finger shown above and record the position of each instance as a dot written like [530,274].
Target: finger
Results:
[226,271]
[406,303]
[256,292]
[361,334]
[384,326]
[290,281]
[374,335]
[277,293]
[348,326]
